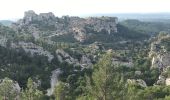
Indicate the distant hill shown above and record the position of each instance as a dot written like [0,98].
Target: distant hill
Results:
[146,27]
[6,22]
[152,17]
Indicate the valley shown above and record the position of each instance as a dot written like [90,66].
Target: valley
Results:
[44,57]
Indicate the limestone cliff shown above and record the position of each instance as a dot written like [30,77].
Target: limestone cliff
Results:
[160,57]
[63,56]
[159,54]
[47,25]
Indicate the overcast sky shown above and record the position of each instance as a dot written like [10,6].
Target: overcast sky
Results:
[11,9]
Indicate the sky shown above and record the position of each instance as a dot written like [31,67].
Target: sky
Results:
[13,9]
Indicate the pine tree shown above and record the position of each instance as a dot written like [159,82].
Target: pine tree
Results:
[31,92]
[60,91]
[105,84]
[7,91]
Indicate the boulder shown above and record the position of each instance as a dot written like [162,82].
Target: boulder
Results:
[139,82]
[161,80]
[167,81]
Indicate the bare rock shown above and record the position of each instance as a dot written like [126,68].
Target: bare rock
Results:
[161,80]
[139,82]
[54,81]
[29,16]
[167,81]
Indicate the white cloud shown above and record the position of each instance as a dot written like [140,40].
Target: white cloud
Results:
[16,8]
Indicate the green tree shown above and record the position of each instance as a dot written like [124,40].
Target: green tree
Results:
[60,91]
[31,92]
[7,91]
[132,91]
[167,97]
[106,82]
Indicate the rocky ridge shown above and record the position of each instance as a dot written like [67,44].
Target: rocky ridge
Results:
[159,55]
[160,58]
[46,24]
[63,56]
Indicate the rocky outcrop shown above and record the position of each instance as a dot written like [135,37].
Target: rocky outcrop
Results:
[63,56]
[161,80]
[119,62]
[33,49]
[85,61]
[160,58]
[79,34]
[161,61]
[35,32]
[167,81]
[138,73]
[139,82]
[29,16]
[46,16]
[47,23]
[159,55]
[104,23]
[96,46]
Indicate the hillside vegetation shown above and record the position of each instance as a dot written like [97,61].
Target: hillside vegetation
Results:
[44,57]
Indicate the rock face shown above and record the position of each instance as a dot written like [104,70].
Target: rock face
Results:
[33,49]
[161,61]
[48,24]
[159,55]
[103,23]
[80,34]
[46,16]
[29,16]
[63,56]
[160,58]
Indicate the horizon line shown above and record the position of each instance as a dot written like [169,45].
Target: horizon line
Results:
[95,14]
